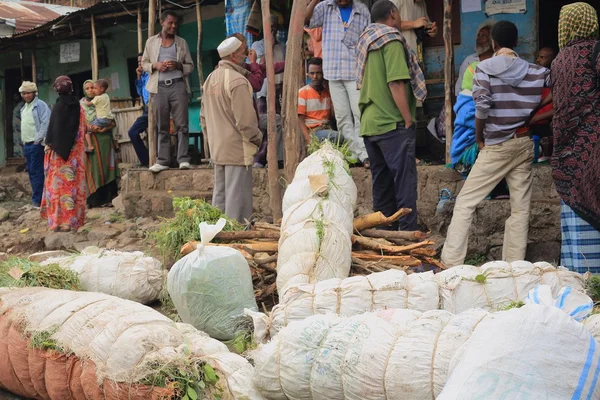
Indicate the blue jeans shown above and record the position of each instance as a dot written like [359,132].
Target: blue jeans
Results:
[331,135]
[139,126]
[394,171]
[34,156]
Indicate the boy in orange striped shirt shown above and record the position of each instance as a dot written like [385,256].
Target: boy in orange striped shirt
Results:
[315,109]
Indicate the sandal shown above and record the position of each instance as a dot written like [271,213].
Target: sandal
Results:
[366,163]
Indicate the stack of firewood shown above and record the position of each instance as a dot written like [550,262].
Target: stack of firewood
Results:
[374,250]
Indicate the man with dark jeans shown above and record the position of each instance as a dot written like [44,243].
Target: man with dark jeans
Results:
[35,116]
[390,82]
[140,124]
[168,60]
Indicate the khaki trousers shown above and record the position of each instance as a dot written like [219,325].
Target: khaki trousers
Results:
[232,193]
[511,160]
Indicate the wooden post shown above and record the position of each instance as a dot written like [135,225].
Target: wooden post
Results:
[273,135]
[94,51]
[448,75]
[291,85]
[201,72]
[22,66]
[33,66]
[151,121]
[139,30]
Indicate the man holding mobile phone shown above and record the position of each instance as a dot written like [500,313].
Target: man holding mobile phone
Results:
[168,60]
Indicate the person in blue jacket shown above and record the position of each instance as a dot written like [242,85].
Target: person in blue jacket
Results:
[35,116]
[141,124]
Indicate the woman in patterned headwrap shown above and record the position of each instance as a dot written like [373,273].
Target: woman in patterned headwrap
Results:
[63,202]
[576,128]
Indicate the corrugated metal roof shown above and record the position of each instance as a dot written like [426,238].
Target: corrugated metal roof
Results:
[29,15]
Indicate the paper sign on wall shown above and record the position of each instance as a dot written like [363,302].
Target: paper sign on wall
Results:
[114,81]
[505,7]
[69,52]
[471,5]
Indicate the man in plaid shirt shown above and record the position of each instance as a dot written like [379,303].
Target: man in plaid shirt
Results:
[343,21]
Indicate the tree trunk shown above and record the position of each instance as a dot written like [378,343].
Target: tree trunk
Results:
[151,122]
[94,51]
[291,85]
[448,74]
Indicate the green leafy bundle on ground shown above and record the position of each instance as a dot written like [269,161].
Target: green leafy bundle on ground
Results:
[177,231]
[20,272]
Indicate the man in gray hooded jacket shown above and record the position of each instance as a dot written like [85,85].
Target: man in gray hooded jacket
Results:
[506,89]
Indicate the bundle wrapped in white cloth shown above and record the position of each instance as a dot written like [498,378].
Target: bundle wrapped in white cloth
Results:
[315,242]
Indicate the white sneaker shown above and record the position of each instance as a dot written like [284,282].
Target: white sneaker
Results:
[184,165]
[157,168]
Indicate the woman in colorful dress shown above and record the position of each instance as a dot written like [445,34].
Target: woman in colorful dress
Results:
[576,128]
[63,202]
[101,165]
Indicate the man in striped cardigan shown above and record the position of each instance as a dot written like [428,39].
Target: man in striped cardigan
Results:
[506,89]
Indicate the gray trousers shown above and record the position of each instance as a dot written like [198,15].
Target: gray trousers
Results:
[172,100]
[233,191]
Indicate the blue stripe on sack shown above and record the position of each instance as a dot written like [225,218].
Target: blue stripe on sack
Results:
[580,309]
[536,297]
[586,370]
[594,381]
[561,300]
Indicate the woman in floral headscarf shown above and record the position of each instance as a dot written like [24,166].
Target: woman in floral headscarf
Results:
[576,128]
[63,202]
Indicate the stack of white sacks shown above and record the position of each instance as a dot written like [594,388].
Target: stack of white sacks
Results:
[318,210]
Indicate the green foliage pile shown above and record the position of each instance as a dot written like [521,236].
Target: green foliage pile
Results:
[20,272]
[177,231]
[593,287]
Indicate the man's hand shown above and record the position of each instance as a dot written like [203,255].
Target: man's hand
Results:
[433,30]
[139,71]
[252,56]
[420,23]
[408,125]
[160,66]
[480,145]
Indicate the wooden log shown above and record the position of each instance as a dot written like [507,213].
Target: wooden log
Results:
[423,252]
[94,50]
[404,235]
[139,30]
[151,120]
[408,261]
[374,245]
[244,235]
[435,262]
[266,226]
[291,84]
[265,260]
[366,266]
[33,66]
[448,75]
[268,266]
[272,134]
[251,248]
[378,219]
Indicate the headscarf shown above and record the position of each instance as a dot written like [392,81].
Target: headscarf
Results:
[576,21]
[90,112]
[64,119]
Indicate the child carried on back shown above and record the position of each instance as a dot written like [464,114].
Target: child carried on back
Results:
[104,117]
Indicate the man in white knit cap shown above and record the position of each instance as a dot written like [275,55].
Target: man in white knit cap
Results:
[230,124]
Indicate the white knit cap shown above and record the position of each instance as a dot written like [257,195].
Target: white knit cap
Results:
[28,87]
[229,46]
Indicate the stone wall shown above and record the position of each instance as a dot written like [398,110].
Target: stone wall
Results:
[147,194]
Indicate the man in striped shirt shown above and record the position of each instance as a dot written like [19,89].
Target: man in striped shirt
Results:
[506,89]
[314,106]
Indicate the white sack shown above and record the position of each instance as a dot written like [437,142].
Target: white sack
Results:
[317,209]
[498,283]
[593,325]
[382,355]
[123,338]
[128,275]
[576,304]
[534,352]
[212,286]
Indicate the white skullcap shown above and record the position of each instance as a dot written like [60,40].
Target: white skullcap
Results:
[28,87]
[228,46]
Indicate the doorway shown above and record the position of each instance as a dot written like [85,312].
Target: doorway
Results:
[548,24]
[12,82]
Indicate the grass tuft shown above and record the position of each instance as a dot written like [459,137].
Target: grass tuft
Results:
[20,272]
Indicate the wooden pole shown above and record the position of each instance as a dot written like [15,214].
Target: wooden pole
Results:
[22,66]
[201,72]
[33,66]
[94,51]
[448,75]
[139,30]
[272,134]
[151,120]
[291,85]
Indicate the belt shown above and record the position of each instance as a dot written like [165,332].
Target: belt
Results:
[29,143]
[522,132]
[170,82]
